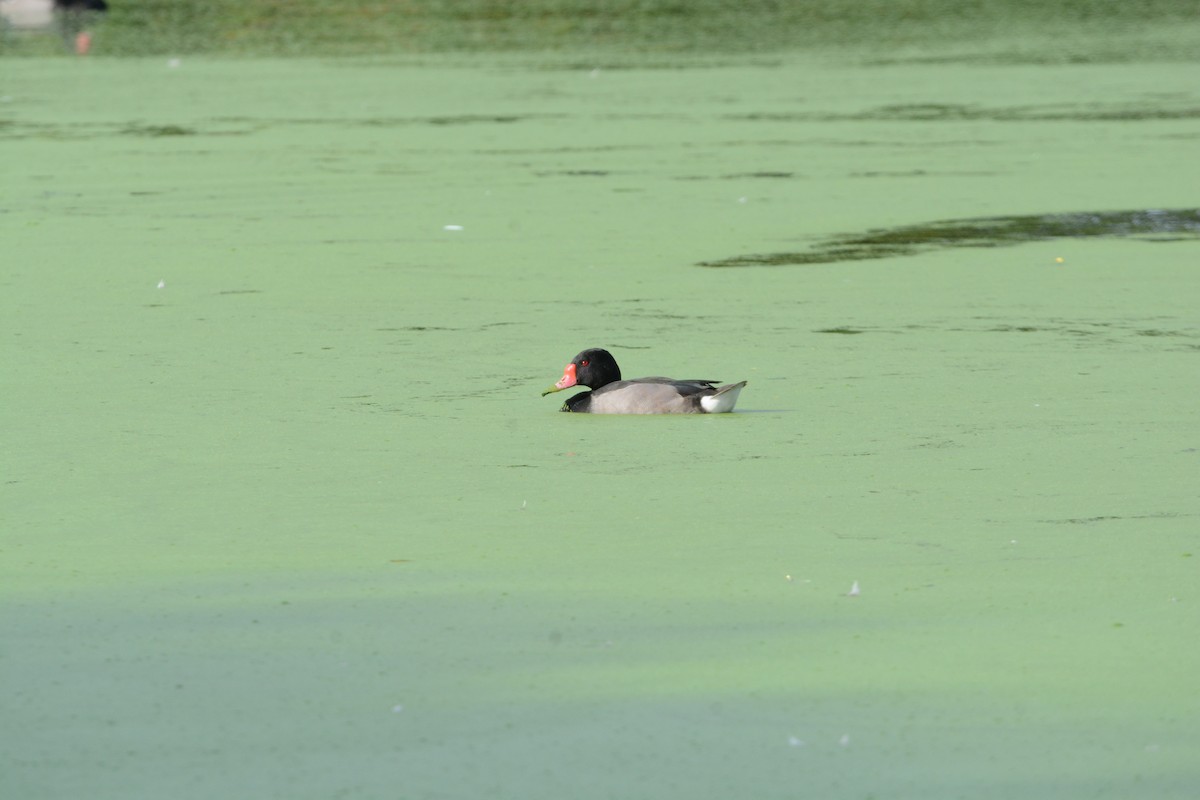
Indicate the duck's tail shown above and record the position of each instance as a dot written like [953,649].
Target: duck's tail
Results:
[722,400]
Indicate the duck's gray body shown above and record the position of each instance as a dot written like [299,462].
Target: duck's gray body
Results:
[657,396]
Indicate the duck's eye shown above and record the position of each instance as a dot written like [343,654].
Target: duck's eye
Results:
[583,363]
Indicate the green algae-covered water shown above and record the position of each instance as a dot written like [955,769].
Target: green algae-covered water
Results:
[284,514]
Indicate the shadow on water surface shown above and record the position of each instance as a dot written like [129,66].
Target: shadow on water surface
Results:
[1158,225]
[1082,333]
[957,112]
[240,125]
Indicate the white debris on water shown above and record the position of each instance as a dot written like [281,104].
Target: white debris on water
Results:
[854,590]
[794,741]
[452,227]
[162,284]
[396,709]
[845,740]
[173,63]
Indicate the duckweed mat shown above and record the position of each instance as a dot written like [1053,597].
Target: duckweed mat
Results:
[285,516]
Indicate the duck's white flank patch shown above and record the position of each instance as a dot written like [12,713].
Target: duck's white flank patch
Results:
[722,401]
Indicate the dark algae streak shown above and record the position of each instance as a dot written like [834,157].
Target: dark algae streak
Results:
[1156,225]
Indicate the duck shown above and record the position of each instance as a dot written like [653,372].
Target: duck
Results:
[596,369]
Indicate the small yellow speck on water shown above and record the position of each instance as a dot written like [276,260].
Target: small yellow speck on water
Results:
[788,578]
[1059,260]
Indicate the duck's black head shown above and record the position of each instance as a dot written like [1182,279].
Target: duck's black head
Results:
[595,368]
[592,368]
